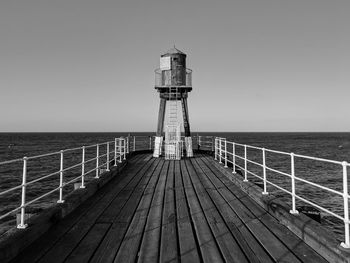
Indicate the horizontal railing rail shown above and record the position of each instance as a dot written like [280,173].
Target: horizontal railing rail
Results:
[224,156]
[101,162]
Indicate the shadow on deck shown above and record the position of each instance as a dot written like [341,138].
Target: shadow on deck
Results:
[159,210]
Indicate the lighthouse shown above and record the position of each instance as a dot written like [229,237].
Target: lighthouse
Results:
[173,81]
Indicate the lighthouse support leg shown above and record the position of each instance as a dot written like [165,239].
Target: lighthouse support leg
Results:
[159,138]
[188,139]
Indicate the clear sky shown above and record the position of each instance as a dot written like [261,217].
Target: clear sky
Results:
[258,65]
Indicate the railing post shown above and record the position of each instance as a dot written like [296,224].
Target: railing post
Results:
[245,164]
[120,150]
[107,164]
[115,151]
[346,244]
[83,169]
[97,160]
[22,225]
[215,148]
[233,158]
[264,171]
[134,144]
[125,148]
[60,199]
[150,142]
[220,150]
[292,165]
[225,154]
[127,144]
[212,143]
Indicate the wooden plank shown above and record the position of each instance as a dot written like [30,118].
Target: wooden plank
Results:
[41,246]
[187,242]
[229,247]
[72,238]
[294,243]
[149,250]
[252,249]
[87,246]
[131,242]
[277,250]
[207,244]
[108,248]
[115,206]
[168,244]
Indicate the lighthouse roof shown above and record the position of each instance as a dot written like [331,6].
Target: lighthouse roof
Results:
[173,50]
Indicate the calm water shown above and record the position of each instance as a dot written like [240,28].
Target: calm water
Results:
[335,146]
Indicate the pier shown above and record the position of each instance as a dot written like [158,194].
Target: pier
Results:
[169,211]
[146,209]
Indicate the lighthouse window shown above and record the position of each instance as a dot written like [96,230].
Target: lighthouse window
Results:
[175,59]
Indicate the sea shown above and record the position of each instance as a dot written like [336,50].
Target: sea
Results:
[333,146]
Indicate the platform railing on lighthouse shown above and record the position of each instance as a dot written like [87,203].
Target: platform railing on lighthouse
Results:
[225,156]
[114,153]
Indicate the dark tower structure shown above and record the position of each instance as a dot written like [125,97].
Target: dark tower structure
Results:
[173,82]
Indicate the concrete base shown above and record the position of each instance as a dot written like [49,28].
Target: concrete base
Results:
[18,220]
[157,146]
[188,145]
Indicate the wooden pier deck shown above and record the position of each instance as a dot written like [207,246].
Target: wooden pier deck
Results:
[169,211]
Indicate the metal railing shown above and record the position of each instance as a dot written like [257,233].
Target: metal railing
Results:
[90,159]
[222,153]
[102,163]
[139,143]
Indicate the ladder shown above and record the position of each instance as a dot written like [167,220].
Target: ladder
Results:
[172,145]
[173,104]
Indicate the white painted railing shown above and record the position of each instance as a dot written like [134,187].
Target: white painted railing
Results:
[222,154]
[139,143]
[144,142]
[118,153]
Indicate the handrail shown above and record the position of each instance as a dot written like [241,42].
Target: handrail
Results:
[221,153]
[118,153]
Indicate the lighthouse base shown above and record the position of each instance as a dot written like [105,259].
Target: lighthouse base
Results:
[188,145]
[157,146]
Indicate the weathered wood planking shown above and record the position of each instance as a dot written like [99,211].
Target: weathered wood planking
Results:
[207,243]
[252,249]
[149,250]
[287,238]
[114,238]
[129,248]
[230,250]
[186,234]
[168,244]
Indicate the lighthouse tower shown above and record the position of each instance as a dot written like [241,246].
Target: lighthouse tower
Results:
[173,81]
